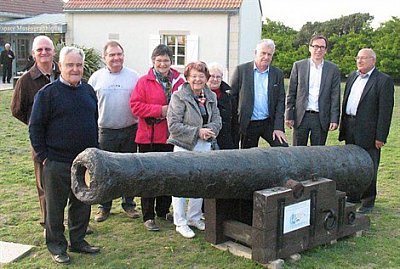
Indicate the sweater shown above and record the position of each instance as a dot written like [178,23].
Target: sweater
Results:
[63,122]
[113,92]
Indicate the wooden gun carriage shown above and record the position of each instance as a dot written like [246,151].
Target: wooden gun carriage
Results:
[277,201]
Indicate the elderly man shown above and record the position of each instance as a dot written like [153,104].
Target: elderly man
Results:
[113,85]
[313,100]
[43,72]
[366,115]
[63,123]
[260,97]
[6,58]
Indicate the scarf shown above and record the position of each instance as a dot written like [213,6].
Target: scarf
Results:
[166,83]
[201,102]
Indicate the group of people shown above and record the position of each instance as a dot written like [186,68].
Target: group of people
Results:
[165,111]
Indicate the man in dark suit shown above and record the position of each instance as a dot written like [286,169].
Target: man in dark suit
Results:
[366,116]
[313,100]
[6,58]
[259,94]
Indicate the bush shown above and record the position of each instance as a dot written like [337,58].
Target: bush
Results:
[93,60]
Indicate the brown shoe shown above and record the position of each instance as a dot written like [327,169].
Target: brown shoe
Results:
[102,215]
[132,213]
[151,225]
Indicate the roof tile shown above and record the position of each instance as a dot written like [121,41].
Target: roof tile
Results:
[31,7]
[152,4]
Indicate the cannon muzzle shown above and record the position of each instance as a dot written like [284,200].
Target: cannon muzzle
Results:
[100,176]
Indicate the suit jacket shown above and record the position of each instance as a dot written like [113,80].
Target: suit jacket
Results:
[242,84]
[374,111]
[329,93]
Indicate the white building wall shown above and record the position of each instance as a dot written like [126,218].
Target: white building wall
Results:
[249,29]
[133,31]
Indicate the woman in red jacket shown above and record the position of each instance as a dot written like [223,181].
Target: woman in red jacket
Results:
[149,102]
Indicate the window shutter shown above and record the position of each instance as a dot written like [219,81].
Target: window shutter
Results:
[192,49]
[154,41]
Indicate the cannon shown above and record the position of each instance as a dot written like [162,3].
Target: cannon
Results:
[273,201]
[99,176]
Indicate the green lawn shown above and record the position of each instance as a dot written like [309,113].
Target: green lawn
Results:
[126,244]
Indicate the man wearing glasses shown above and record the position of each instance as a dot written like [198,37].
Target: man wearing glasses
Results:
[41,73]
[313,99]
[366,115]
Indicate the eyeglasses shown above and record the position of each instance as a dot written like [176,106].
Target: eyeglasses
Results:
[198,77]
[362,58]
[163,61]
[316,47]
[216,77]
[112,55]
[43,49]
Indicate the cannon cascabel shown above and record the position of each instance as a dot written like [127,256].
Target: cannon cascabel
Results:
[100,176]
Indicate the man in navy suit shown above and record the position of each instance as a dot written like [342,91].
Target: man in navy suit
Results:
[259,94]
[366,116]
[313,100]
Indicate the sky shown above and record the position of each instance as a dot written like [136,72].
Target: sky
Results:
[296,13]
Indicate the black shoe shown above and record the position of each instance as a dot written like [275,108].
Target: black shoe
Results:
[87,249]
[365,210]
[62,258]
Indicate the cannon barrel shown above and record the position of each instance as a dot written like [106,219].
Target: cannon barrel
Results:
[98,176]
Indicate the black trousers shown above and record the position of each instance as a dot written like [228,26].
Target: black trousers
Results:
[368,197]
[119,140]
[161,203]
[57,186]
[257,129]
[7,72]
[311,127]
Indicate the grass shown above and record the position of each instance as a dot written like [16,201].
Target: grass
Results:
[126,244]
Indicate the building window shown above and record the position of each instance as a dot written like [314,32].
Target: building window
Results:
[177,43]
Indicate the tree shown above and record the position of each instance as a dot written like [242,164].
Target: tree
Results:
[346,48]
[356,23]
[386,45]
[283,37]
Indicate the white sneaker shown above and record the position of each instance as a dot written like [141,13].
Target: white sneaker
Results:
[200,225]
[185,231]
